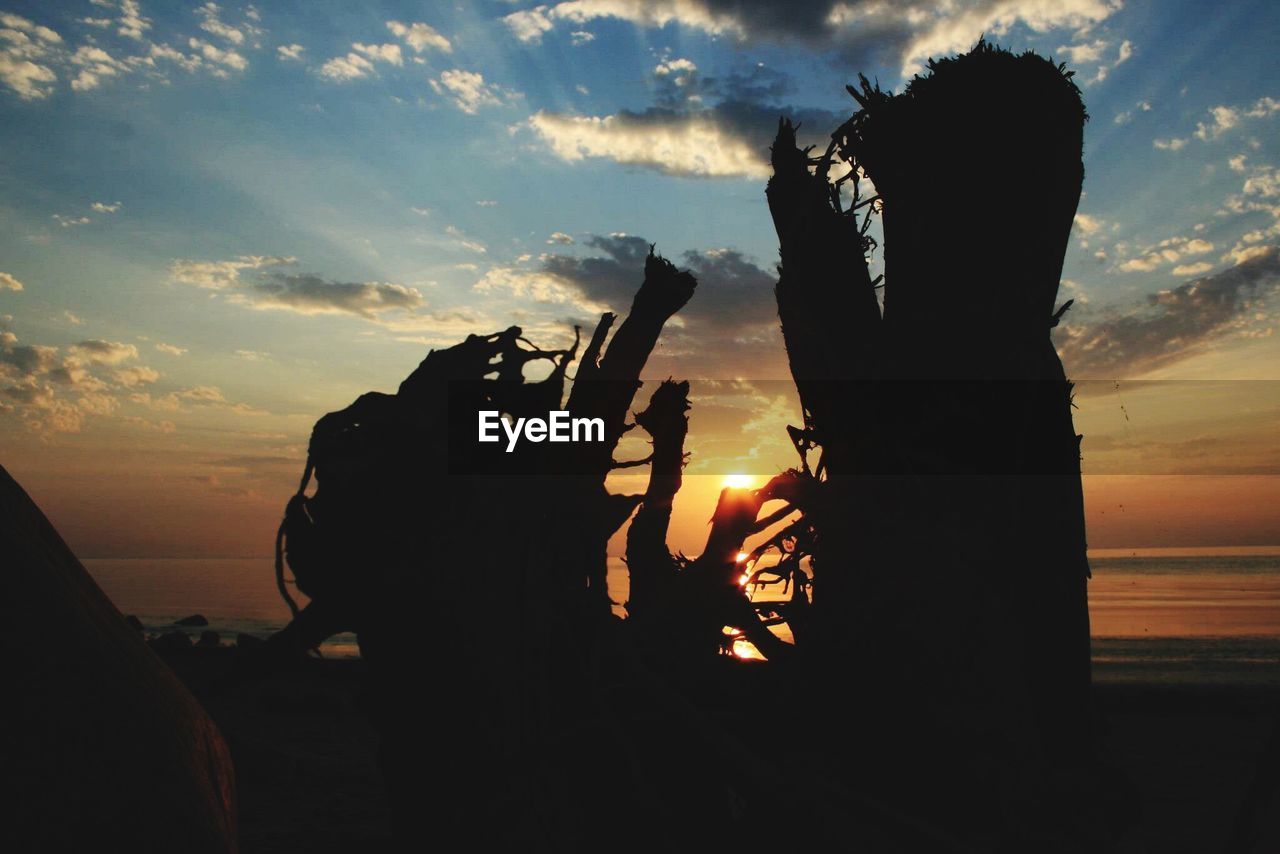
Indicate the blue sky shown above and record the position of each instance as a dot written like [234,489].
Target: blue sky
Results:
[219,221]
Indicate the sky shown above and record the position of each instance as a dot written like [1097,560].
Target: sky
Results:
[220,221]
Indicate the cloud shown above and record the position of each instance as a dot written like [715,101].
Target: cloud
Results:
[290,52]
[728,140]
[135,375]
[171,349]
[556,237]
[1222,119]
[94,64]
[380,52]
[357,64]
[1165,252]
[132,24]
[212,24]
[361,61]
[1175,324]
[103,207]
[256,281]
[907,32]
[54,393]
[733,304]
[419,36]
[349,67]
[22,25]
[218,275]
[9,283]
[216,57]
[25,47]
[468,91]
[1087,224]
[1195,269]
[309,294]
[1140,107]
[98,352]
[1088,52]
[462,240]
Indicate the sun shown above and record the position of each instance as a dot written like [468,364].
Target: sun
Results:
[738,481]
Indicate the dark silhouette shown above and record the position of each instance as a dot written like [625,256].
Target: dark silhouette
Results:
[102,746]
[938,532]
[950,516]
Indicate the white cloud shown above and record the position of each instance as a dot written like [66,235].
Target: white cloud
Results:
[104,207]
[468,91]
[680,145]
[132,24]
[9,283]
[350,67]
[1088,52]
[24,46]
[560,237]
[20,24]
[581,37]
[95,64]
[419,36]
[214,54]
[536,285]
[463,241]
[528,25]
[1087,224]
[219,275]
[171,349]
[290,52]
[1224,119]
[1166,252]
[1192,269]
[1175,144]
[211,24]
[1125,116]
[380,52]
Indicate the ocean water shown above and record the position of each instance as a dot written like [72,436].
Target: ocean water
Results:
[1154,618]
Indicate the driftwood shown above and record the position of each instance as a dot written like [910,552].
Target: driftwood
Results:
[931,538]
[951,568]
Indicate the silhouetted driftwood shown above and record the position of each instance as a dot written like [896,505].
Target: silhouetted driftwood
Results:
[941,629]
[951,567]
[652,567]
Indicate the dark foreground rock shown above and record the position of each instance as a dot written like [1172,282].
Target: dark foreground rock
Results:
[108,750]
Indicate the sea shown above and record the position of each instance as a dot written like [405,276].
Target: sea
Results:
[1155,617]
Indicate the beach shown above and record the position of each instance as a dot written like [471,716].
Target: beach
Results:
[1184,709]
